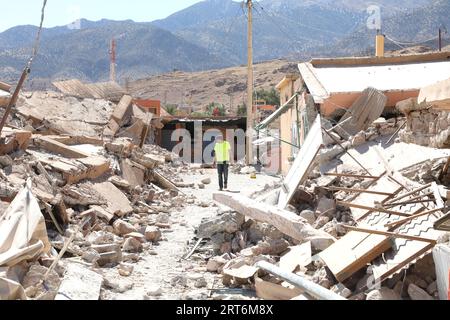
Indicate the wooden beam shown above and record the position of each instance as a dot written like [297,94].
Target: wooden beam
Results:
[372,209]
[415,216]
[411,200]
[390,234]
[286,222]
[357,176]
[413,192]
[396,204]
[352,190]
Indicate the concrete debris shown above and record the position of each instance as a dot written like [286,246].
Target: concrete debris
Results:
[355,214]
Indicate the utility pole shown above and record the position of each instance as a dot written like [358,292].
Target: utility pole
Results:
[249,158]
[442,30]
[112,71]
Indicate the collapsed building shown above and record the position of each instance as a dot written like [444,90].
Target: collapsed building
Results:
[361,211]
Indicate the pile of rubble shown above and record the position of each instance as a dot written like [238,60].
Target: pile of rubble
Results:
[345,226]
[103,202]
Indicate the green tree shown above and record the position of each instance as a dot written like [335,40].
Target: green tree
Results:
[216,109]
[272,97]
[171,109]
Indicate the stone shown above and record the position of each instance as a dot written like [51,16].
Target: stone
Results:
[154,291]
[272,247]
[201,186]
[383,294]
[6,161]
[359,139]
[206,181]
[132,245]
[417,293]
[125,270]
[122,228]
[201,283]
[153,234]
[432,288]
[117,285]
[179,281]
[34,278]
[414,279]
[309,216]
[229,222]
[326,207]
[215,263]
[341,290]
[91,256]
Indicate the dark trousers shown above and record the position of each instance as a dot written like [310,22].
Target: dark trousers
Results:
[222,170]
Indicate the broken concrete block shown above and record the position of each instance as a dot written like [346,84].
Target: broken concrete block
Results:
[215,263]
[153,234]
[229,222]
[416,293]
[309,216]
[122,228]
[326,207]
[122,108]
[117,202]
[80,283]
[132,245]
[91,256]
[35,288]
[273,247]
[342,290]
[6,161]
[133,173]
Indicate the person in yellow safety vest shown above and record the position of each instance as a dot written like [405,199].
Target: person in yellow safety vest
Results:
[223,158]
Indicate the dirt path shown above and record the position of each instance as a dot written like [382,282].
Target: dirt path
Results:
[163,275]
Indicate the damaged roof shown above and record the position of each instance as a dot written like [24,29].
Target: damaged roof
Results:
[325,77]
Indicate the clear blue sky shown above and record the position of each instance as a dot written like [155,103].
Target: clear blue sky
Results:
[62,12]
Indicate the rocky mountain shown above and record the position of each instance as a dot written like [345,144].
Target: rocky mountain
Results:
[142,49]
[212,34]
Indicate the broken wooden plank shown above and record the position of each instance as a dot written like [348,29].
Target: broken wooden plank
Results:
[408,194]
[390,234]
[372,209]
[415,216]
[303,164]
[287,222]
[79,283]
[348,175]
[352,190]
[353,252]
[59,148]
